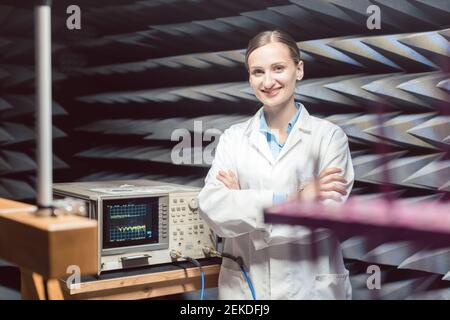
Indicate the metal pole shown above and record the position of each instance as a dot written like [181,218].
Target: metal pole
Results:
[43,60]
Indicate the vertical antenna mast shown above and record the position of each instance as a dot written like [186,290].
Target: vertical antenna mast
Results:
[43,60]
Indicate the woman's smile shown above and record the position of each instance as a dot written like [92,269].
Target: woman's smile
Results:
[271,92]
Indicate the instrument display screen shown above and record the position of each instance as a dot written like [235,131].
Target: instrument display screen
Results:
[130,222]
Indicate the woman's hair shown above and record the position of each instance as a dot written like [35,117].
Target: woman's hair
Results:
[266,37]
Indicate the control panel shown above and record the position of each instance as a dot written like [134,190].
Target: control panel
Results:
[188,232]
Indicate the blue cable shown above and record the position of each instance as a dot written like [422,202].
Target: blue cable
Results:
[240,262]
[249,283]
[197,264]
[203,286]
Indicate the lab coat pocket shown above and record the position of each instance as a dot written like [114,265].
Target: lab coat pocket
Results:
[231,282]
[331,286]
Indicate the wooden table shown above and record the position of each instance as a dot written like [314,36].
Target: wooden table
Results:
[44,248]
[145,283]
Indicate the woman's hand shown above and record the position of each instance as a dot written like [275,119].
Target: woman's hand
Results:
[325,186]
[229,179]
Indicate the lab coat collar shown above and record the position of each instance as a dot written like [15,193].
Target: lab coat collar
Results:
[257,138]
[301,128]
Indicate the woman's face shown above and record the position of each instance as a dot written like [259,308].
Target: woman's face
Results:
[273,74]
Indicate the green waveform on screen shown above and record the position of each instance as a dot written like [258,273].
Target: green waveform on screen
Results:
[131,228]
[123,216]
[127,211]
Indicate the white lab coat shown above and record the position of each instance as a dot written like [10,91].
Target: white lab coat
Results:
[278,258]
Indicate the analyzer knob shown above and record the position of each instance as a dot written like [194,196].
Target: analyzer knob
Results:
[193,204]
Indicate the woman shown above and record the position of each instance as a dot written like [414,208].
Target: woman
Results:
[282,152]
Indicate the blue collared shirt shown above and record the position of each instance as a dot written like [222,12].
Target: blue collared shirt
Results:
[274,145]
